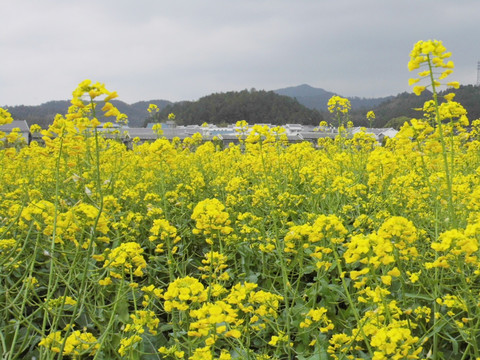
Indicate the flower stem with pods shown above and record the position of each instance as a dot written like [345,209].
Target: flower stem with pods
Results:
[448,175]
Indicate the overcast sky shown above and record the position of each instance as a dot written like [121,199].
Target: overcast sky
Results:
[185,49]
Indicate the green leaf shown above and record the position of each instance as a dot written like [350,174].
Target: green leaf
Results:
[122,310]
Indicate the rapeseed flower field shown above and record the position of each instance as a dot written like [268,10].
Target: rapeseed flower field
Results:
[261,250]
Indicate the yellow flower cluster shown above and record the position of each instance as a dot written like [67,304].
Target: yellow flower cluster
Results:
[394,342]
[455,245]
[340,107]
[127,345]
[172,351]
[337,103]
[319,318]
[39,214]
[257,305]
[143,318]
[214,266]
[432,53]
[211,219]
[80,217]
[183,292]
[213,320]
[94,90]
[370,115]
[151,293]
[394,242]
[164,231]
[5,117]
[264,135]
[153,109]
[387,336]
[127,258]
[280,338]
[76,344]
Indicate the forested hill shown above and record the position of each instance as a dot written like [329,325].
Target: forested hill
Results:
[44,114]
[390,111]
[396,111]
[252,106]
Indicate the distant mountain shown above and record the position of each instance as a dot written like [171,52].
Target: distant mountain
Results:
[137,112]
[303,90]
[317,98]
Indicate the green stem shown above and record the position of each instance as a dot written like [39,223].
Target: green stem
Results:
[113,315]
[444,147]
[350,300]
[51,287]
[23,305]
[286,294]
[80,301]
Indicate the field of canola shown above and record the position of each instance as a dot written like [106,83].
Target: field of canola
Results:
[262,250]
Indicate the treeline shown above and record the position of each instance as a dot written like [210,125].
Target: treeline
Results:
[394,112]
[269,107]
[250,105]
[259,106]
[44,114]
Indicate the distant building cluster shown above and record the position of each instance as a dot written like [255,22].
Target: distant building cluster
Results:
[294,132]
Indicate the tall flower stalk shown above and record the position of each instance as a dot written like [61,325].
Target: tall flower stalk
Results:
[431,55]
[339,107]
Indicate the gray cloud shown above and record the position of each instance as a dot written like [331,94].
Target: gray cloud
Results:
[185,49]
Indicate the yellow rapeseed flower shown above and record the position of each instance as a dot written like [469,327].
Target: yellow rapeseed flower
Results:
[432,54]
[5,117]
